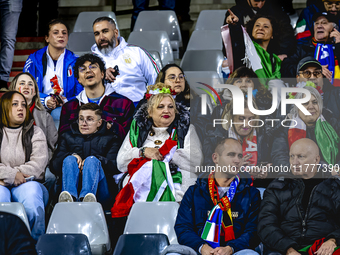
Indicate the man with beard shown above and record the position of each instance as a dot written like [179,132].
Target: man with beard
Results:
[137,69]
[218,215]
[246,9]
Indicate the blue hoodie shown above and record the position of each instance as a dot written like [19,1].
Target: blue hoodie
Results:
[36,63]
[196,204]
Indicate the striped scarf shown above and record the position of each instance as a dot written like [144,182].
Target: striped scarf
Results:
[220,222]
[326,137]
[325,55]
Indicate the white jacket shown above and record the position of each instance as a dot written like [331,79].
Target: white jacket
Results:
[136,67]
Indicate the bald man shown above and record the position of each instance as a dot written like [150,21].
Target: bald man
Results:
[297,212]
[198,214]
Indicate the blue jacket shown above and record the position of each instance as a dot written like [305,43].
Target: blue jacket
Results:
[196,205]
[36,64]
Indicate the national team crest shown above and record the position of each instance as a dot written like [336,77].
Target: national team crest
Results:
[69,71]
[127,58]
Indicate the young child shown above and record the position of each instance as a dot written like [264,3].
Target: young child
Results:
[87,154]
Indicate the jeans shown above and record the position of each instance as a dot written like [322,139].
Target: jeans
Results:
[56,116]
[246,252]
[34,196]
[9,17]
[93,179]
[141,5]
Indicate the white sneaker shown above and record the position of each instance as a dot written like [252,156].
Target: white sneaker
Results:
[65,196]
[90,197]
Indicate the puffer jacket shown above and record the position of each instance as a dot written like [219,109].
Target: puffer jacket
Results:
[283,223]
[104,145]
[196,205]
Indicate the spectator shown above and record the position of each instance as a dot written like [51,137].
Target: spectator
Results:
[89,149]
[26,84]
[255,141]
[14,236]
[304,26]
[245,10]
[324,47]
[160,131]
[264,32]
[320,127]
[136,66]
[24,154]
[141,5]
[117,109]
[10,12]
[218,215]
[301,211]
[310,69]
[52,67]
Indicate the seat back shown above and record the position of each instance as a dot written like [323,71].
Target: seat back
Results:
[152,218]
[82,218]
[17,209]
[81,42]
[66,244]
[205,40]
[141,244]
[155,41]
[203,60]
[160,21]
[84,22]
[210,20]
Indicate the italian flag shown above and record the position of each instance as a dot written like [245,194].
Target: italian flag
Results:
[301,31]
[150,181]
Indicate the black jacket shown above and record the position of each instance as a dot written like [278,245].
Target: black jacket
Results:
[283,222]
[289,65]
[14,236]
[331,98]
[280,148]
[244,12]
[103,144]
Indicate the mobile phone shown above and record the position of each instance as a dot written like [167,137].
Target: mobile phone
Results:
[31,178]
[116,71]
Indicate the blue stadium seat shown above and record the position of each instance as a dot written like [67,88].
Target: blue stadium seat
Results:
[82,218]
[210,20]
[17,209]
[161,21]
[85,20]
[66,244]
[141,244]
[157,217]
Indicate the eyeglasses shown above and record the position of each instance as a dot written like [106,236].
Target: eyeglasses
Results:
[307,74]
[88,121]
[330,4]
[91,68]
[259,0]
[173,78]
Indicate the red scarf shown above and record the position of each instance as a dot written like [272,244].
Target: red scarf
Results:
[31,111]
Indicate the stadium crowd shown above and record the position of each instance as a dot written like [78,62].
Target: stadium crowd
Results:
[74,128]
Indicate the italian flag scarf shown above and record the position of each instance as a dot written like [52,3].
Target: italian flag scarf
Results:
[248,146]
[265,65]
[220,222]
[326,137]
[313,248]
[150,180]
[325,55]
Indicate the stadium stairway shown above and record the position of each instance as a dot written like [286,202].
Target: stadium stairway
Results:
[23,48]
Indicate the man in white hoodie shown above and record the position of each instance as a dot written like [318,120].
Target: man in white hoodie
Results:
[137,68]
[117,110]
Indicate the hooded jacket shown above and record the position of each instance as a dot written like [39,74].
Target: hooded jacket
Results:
[283,222]
[36,65]
[196,205]
[116,109]
[103,144]
[137,69]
